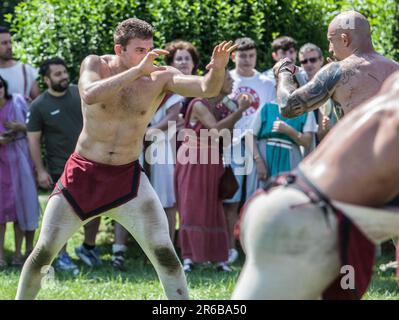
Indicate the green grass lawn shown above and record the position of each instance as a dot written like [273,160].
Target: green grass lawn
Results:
[141,282]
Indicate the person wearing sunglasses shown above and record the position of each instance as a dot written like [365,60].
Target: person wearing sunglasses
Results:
[311,59]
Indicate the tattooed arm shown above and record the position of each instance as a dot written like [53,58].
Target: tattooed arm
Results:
[294,101]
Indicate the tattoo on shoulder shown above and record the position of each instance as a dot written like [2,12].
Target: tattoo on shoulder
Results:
[324,83]
[346,76]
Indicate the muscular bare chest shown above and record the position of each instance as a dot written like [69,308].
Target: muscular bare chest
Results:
[126,114]
[140,99]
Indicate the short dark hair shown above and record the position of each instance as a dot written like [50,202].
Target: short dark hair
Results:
[175,45]
[285,43]
[130,29]
[245,44]
[44,69]
[4,30]
[6,94]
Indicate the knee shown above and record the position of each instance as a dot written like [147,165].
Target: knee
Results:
[149,206]
[41,256]
[167,259]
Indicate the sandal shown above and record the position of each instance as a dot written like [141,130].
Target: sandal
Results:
[17,262]
[3,263]
[118,261]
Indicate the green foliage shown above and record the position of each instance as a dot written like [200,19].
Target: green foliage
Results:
[6,7]
[74,29]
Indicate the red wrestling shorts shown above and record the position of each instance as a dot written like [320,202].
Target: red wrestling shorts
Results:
[92,188]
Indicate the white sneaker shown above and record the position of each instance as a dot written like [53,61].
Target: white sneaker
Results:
[187,265]
[223,267]
[233,256]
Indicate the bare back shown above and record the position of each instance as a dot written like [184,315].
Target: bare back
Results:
[348,83]
[363,151]
[113,130]
[362,78]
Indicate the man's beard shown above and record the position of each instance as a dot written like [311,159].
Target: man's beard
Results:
[7,56]
[60,86]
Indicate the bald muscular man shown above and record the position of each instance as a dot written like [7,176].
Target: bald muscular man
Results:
[356,74]
[120,94]
[313,231]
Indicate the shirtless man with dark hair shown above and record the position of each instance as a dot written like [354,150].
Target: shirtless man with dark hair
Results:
[120,94]
[355,75]
[330,213]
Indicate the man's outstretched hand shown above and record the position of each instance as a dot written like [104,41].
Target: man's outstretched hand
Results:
[146,66]
[221,55]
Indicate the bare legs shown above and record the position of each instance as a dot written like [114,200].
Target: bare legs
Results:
[2,236]
[18,240]
[171,215]
[29,236]
[59,224]
[91,230]
[231,212]
[19,237]
[145,219]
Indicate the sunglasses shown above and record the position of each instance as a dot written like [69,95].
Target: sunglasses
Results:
[311,60]
[1,84]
